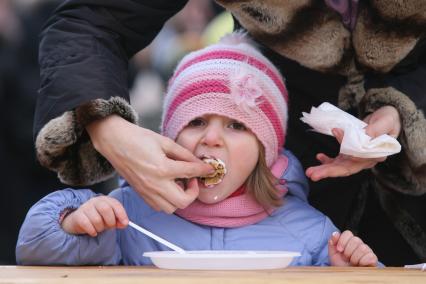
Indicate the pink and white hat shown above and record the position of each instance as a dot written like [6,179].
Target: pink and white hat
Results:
[230,78]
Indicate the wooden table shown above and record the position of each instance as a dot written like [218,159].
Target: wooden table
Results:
[123,274]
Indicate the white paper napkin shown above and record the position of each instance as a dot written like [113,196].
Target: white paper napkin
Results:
[355,141]
[421,266]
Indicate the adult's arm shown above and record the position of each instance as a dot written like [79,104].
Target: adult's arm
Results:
[85,47]
[405,89]
[84,52]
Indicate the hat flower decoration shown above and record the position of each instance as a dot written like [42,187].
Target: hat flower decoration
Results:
[245,90]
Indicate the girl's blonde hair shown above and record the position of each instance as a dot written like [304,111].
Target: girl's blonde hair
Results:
[262,183]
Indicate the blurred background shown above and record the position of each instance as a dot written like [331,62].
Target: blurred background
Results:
[23,180]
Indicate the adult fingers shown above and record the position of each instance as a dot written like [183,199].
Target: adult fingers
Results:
[328,170]
[155,199]
[152,190]
[181,169]
[324,159]
[178,197]
[177,152]
[192,189]
[338,133]
[379,127]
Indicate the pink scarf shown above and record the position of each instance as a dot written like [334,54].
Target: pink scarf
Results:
[234,211]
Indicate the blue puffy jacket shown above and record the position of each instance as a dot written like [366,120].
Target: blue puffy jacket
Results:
[295,226]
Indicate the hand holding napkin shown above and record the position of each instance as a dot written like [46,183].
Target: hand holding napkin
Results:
[355,141]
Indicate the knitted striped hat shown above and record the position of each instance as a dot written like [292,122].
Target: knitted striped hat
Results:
[232,79]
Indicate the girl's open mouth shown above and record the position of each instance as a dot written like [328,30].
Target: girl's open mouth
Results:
[216,177]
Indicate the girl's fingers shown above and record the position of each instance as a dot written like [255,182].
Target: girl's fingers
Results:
[343,240]
[95,218]
[106,212]
[353,245]
[369,259]
[85,225]
[119,211]
[361,250]
[334,238]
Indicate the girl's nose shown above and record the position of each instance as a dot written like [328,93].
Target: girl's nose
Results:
[213,136]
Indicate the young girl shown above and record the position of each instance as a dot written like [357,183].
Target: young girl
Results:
[226,102]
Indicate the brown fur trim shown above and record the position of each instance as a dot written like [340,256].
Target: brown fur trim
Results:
[413,11]
[308,32]
[353,91]
[378,47]
[406,171]
[265,17]
[63,146]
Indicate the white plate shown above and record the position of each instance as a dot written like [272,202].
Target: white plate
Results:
[222,260]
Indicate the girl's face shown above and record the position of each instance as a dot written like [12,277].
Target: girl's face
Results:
[228,140]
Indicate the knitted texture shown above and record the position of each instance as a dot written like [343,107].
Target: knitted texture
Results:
[233,79]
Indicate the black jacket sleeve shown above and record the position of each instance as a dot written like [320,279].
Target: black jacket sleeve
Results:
[84,51]
[85,47]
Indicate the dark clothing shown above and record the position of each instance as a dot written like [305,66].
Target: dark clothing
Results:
[85,47]
[84,51]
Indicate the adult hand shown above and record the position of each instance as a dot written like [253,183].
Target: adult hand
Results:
[385,120]
[96,215]
[150,162]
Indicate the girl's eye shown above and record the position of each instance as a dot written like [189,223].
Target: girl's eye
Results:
[238,126]
[196,122]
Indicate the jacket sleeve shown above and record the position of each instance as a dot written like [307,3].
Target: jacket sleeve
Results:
[406,91]
[83,55]
[42,241]
[320,257]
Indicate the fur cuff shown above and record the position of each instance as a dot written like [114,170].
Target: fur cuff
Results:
[405,172]
[63,145]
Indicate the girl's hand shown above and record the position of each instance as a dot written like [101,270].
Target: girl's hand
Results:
[385,120]
[96,215]
[348,250]
[150,162]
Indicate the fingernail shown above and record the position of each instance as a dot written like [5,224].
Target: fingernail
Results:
[335,234]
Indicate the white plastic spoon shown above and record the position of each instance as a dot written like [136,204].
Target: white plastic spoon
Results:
[157,238]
